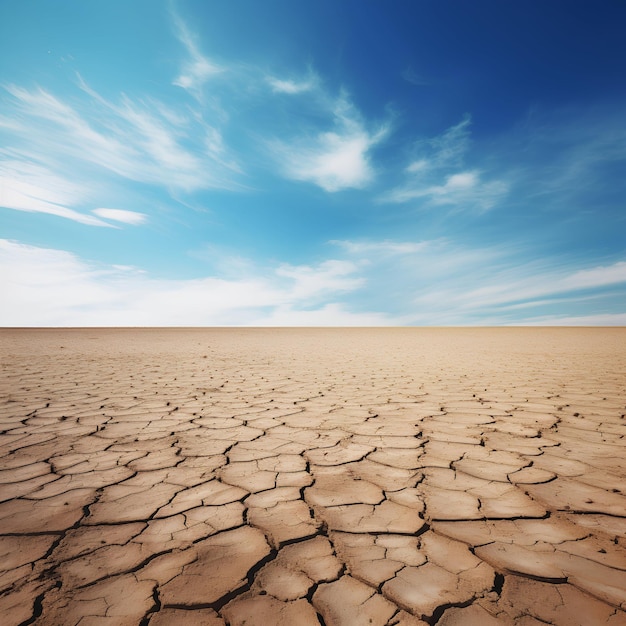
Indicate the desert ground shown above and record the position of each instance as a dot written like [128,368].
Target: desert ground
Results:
[300,477]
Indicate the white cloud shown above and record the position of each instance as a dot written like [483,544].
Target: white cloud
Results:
[443,282]
[599,319]
[450,147]
[41,286]
[444,151]
[463,181]
[528,283]
[148,141]
[291,87]
[550,301]
[418,166]
[54,127]
[197,69]
[456,185]
[329,276]
[333,160]
[596,277]
[494,291]
[142,141]
[332,314]
[47,287]
[121,215]
[386,247]
[433,282]
[29,187]
[464,189]
[438,176]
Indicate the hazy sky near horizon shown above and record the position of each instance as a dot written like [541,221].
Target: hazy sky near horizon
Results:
[312,163]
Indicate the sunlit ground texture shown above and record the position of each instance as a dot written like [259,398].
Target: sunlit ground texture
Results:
[308,476]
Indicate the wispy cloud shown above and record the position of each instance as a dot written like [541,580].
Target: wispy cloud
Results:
[449,148]
[292,86]
[197,68]
[386,247]
[433,283]
[527,284]
[464,189]
[328,277]
[121,215]
[332,314]
[596,277]
[142,141]
[599,319]
[334,162]
[30,187]
[566,160]
[108,141]
[438,175]
[334,159]
[445,282]
[43,286]
[498,292]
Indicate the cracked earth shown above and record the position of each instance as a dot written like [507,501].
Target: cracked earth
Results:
[302,477]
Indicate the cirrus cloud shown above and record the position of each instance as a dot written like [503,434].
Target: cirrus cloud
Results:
[26,186]
[121,215]
[334,159]
[438,176]
[197,68]
[51,287]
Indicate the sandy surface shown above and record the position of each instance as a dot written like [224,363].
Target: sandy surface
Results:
[307,477]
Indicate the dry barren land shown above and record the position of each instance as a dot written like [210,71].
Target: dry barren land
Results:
[307,477]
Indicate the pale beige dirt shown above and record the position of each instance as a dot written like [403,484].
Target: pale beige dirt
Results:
[306,476]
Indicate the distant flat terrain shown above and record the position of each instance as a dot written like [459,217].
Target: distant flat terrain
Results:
[296,477]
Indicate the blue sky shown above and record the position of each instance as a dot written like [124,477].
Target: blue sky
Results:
[312,163]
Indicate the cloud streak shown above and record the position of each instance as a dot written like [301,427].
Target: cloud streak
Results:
[140,141]
[532,285]
[386,247]
[600,319]
[336,159]
[121,215]
[49,287]
[32,188]
[197,68]
[292,87]
[438,176]
[443,282]
[435,283]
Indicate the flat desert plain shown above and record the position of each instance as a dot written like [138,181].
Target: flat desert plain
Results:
[300,477]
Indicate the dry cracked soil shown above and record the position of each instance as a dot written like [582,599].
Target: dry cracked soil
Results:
[307,477]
